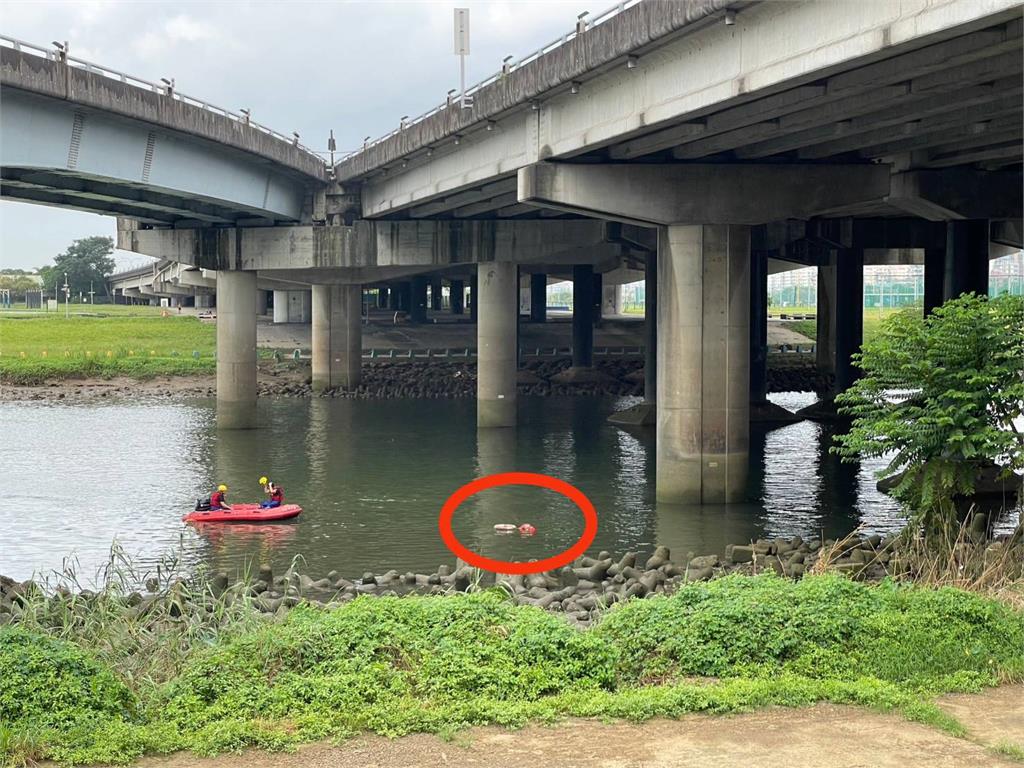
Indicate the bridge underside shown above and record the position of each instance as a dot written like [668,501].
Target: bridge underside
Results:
[758,95]
[116,197]
[54,152]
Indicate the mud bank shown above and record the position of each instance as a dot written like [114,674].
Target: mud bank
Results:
[398,378]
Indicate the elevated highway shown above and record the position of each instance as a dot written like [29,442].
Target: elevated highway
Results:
[76,135]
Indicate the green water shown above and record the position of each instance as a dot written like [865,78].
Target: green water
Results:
[372,476]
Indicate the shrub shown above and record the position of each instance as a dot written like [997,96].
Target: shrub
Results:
[54,684]
[940,395]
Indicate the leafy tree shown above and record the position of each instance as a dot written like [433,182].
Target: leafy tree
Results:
[941,394]
[85,261]
[19,283]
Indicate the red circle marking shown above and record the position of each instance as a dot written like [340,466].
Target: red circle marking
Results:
[444,522]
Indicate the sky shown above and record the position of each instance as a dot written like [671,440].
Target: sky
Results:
[354,67]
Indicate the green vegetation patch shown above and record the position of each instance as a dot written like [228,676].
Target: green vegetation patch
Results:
[825,627]
[437,664]
[36,348]
[53,693]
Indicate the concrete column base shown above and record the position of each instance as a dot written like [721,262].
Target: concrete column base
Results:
[703,389]
[824,410]
[496,297]
[337,337]
[767,412]
[236,349]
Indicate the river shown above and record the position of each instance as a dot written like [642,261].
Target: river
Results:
[371,477]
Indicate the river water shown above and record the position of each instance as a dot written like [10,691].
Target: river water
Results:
[372,476]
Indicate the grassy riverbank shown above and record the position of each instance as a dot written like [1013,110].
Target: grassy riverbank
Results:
[873,320]
[98,681]
[38,347]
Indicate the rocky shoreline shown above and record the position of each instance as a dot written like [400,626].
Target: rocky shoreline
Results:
[579,592]
[403,379]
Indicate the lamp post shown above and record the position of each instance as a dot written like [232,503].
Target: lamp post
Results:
[67,297]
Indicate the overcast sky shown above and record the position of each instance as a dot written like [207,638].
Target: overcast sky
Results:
[356,67]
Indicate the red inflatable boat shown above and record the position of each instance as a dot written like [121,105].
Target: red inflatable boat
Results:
[244,513]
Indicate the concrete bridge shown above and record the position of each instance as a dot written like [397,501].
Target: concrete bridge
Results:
[697,141]
[76,135]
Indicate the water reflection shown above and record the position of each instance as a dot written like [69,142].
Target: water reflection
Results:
[372,475]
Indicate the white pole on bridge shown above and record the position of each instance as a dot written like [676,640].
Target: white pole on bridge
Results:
[462,50]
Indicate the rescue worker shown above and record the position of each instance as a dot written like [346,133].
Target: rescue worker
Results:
[219,499]
[274,491]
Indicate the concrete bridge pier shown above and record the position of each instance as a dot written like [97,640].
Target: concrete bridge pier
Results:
[337,336]
[762,410]
[435,294]
[261,302]
[825,316]
[496,295]
[583,316]
[456,296]
[840,327]
[236,349]
[934,276]
[418,299]
[645,413]
[966,263]
[538,297]
[960,267]
[703,388]
[404,297]
[586,311]
[849,316]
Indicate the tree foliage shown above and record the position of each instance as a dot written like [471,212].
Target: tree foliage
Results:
[941,395]
[86,261]
[19,283]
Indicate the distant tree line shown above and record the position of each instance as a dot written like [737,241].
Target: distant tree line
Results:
[87,263]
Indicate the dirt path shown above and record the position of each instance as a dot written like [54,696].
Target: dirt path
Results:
[992,717]
[824,735]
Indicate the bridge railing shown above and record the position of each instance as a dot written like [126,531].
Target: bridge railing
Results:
[162,88]
[508,68]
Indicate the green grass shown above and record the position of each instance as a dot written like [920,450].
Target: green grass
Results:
[1010,750]
[37,347]
[438,664]
[873,319]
